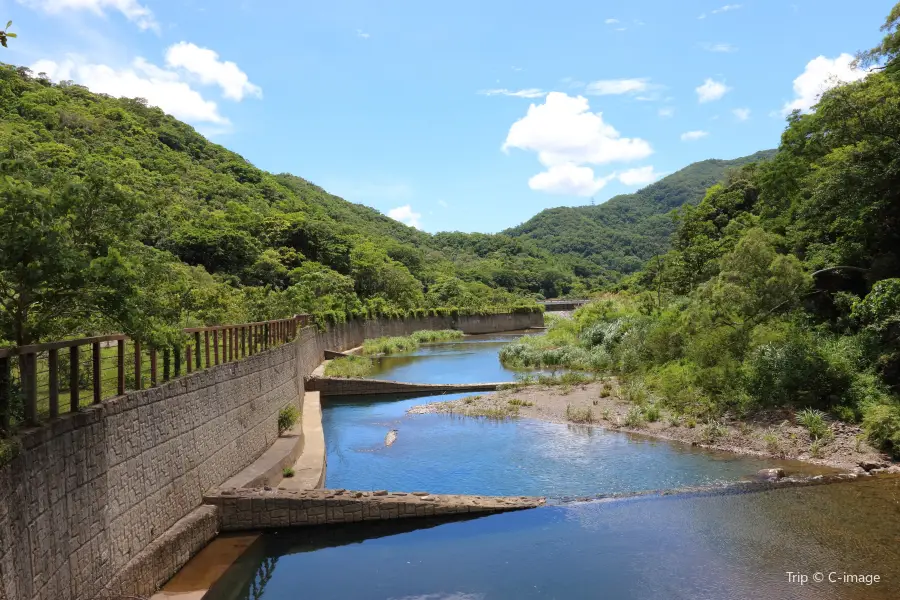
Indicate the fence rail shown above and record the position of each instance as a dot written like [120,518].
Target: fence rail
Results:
[34,378]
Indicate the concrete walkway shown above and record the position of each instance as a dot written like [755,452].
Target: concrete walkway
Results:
[309,470]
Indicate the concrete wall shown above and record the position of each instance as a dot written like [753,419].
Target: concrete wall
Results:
[93,490]
[337,386]
[252,510]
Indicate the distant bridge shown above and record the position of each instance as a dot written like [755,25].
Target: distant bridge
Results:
[560,305]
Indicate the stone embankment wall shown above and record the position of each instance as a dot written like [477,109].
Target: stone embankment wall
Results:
[93,494]
[277,509]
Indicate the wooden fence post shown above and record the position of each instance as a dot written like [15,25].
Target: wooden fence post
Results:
[74,379]
[153,365]
[120,367]
[98,373]
[53,381]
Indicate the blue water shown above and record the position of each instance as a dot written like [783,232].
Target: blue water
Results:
[462,455]
[443,453]
[718,547]
[471,360]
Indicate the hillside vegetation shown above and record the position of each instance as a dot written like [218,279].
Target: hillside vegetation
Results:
[782,288]
[115,216]
[617,237]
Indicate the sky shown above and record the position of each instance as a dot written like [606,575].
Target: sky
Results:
[472,115]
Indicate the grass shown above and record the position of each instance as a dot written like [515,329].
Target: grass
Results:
[814,421]
[579,415]
[350,366]
[287,472]
[713,432]
[816,449]
[287,418]
[9,450]
[393,345]
[519,402]
[772,442]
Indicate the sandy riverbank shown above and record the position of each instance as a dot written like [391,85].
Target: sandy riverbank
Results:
[773,434]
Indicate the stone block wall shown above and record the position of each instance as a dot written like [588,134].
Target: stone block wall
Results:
[93,490]
[252,510]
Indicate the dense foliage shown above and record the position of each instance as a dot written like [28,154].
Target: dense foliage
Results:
[617,237]
[115,216]
[782,287]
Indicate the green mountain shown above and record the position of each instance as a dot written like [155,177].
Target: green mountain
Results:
[115,215]
[620,235]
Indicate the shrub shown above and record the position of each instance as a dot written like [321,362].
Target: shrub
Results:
[579,415]
[287,472]
[651,413]
[772,442]
[882,425]
[814,421]
[794,372]
[635,417]
[287,418]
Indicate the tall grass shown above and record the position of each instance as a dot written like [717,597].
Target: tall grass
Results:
[350,366]
[394,345]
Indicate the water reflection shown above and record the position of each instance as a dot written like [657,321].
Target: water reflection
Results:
[722,546]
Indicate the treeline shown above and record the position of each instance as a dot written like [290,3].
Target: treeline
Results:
[782,287]
[115,216]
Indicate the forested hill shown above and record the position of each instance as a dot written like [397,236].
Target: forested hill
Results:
[620,235]
[115,215]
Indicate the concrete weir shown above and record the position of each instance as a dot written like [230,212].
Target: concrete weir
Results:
[250,510]
[339,386]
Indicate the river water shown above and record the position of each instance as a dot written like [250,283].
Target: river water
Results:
[694,546]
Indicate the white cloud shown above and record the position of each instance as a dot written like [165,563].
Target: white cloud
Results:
[720,47]
[572,180]
[362,34]
[159,87]
[132,10]
[821,74]
[405,214]
[517,69]
[611,21]
[609,87]
[569,180]
[206,66]
[690,136]
[666,112]
[563,130]
[711,90]
[443,203]
[727,8]
[742,114]
[526,93]
[639,176]
[702,16]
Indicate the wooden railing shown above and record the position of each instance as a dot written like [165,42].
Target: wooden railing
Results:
[33,378]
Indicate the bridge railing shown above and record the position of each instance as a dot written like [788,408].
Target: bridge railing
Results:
[36,380]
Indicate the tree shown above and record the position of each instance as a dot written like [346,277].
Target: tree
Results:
[889,49]
[54,241]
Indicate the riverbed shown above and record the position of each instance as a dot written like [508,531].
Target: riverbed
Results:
[716,544]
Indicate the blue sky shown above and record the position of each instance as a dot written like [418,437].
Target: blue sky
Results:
[471,115]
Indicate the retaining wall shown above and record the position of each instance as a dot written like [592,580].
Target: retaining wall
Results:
[92,491]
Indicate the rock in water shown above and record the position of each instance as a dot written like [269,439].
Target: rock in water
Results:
[391,437]
[770,474]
